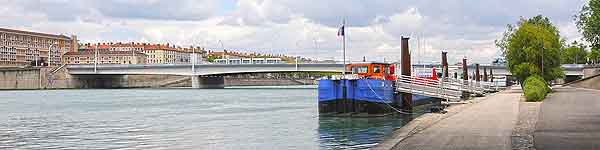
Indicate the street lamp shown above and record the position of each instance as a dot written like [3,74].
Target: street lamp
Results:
[96,59]
[49,54]
[193,60]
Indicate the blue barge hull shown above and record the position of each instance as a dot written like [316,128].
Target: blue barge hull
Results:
[361,96]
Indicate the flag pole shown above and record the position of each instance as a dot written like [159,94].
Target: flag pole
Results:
[344,44]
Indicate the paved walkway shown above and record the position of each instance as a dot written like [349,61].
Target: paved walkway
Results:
[486,125]
[569,119]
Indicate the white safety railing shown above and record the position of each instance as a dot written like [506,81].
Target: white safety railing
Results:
[427,87]
[446,88]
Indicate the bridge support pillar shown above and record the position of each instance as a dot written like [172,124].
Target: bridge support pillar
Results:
[211,82]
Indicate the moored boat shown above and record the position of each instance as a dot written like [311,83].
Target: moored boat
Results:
[369,91]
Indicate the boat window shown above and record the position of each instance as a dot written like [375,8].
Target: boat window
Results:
[376,69]
[360,69]
[386,70]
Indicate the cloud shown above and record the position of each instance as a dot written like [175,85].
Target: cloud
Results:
[307,27]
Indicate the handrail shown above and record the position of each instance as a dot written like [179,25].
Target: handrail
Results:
[443,88]
[438,87]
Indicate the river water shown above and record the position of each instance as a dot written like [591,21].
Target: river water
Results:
[238,118]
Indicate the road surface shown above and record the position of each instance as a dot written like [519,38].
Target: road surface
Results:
[569,119]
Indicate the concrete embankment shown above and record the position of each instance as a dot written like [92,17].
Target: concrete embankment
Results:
[483,123]
[590,82]
[20,79]
[58,78]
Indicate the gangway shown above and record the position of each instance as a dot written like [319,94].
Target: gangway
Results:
[445,88]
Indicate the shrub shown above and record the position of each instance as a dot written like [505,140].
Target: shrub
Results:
[535,88]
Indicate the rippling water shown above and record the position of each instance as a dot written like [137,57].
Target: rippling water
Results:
[245,118]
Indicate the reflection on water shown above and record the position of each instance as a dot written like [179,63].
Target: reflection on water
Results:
[180,119]
[356,133]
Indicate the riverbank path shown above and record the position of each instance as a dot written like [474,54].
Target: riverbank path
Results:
[485,125]
[569,119]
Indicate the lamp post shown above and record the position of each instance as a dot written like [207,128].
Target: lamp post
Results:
[96,59]
[542,59]
[35,57]
[193,60]
[49,54]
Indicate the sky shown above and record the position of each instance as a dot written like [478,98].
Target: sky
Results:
[308,28]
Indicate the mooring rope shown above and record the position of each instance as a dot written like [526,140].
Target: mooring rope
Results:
[383,100]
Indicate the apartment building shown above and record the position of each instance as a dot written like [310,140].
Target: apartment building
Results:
[23,48]
[155,53]
[105,57]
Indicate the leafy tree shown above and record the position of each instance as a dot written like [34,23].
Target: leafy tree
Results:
[574,54]
[532,47]
[588,22]
[594,55]
[211,58]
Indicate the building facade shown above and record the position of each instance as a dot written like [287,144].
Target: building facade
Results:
[23,48]
[155,53]
[105,57]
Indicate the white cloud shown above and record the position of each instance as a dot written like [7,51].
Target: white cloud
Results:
[307,27]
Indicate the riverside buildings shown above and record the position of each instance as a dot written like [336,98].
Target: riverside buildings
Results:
[23,48]
[105,57]
[153,53]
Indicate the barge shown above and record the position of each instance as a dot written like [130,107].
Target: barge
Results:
[370,90]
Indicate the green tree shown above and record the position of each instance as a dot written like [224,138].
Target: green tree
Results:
[594,55]
[532,47]
[574,54]
[211,58]
[588,22]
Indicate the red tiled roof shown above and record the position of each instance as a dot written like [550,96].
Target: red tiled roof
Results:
[131,44]
[34,33]
[89,52]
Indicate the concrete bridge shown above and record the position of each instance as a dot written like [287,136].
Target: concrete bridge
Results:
[202,75]
[210,75]
[199,69]
[220,69]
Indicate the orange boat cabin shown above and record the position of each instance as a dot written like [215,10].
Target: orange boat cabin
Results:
[380,71]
